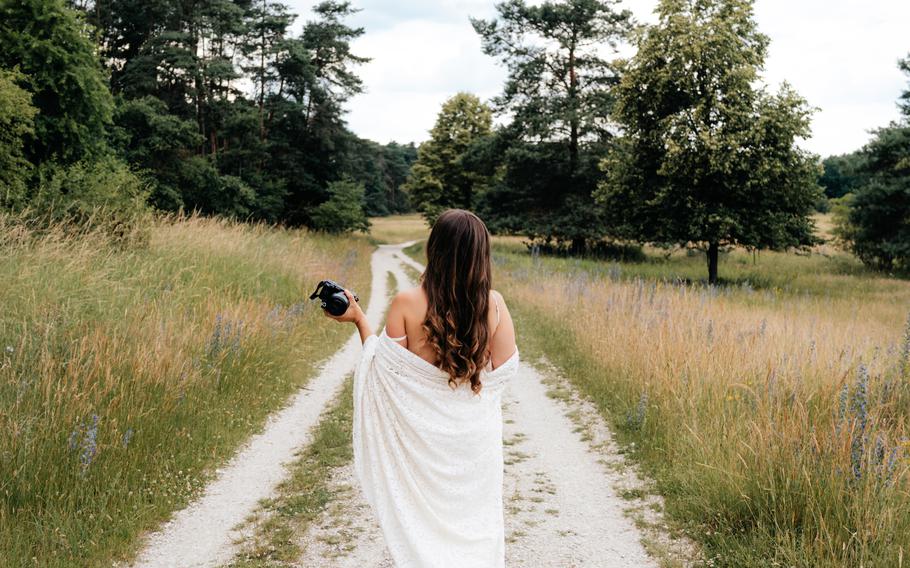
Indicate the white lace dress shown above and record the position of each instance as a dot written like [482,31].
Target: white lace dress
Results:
[429,458]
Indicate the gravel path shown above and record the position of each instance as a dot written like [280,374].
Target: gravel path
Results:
[203,533]
[561,503]
[562,479]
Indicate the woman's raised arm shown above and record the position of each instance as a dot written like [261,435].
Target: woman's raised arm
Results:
[355,315]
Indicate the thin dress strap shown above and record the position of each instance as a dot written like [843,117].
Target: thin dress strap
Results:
[405,336]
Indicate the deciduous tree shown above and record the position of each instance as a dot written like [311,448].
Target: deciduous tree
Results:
[439,178]
[708,156]
[49,44]
[559,96]
[16,124]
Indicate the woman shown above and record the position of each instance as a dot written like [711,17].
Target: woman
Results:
[428,406]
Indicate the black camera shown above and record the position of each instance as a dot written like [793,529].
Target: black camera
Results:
[332,295]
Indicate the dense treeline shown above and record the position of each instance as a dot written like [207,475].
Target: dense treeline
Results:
[217,107]
[210,106]
[675,146]
[680,145]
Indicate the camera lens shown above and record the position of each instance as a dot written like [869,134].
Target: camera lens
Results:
[337,304]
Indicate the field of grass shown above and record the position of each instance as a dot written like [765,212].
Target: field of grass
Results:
[774,418]
[126,375]
[398,228]
[773,411]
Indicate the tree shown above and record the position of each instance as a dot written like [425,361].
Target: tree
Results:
[382,170]
[343,211]
[878,227]
[16,124]
[842,174]
[50,46]
[158,143]
[707,157]
[265,44]
[439,179]
[558,93]
[309,138]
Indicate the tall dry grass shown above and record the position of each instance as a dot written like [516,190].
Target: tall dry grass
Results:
[127,374]
[775,420]
[398,228]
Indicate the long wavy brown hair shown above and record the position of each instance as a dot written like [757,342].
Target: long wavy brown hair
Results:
[457,281]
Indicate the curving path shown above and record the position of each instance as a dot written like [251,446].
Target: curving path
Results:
[561,506]
[561,503]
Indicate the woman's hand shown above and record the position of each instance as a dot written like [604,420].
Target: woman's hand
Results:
[352,314]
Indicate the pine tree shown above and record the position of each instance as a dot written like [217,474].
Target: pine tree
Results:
[558,93]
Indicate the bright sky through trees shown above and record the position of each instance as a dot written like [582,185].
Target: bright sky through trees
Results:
[839,54]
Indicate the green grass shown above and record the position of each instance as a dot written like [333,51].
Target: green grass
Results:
[398,228]
[417,251]
[826,271]
[180,349]
[303,496]
[730,397]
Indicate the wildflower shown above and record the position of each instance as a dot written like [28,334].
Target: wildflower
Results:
[905,351]
[127,436]
[89,443]
[637,420]
[842,408]
[9,349]
[860,411]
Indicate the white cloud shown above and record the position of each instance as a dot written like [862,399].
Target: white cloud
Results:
[418,64]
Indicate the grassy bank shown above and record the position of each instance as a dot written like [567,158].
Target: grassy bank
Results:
[126,375]
[773,417]
[398,228]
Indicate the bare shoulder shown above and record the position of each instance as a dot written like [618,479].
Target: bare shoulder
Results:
[409,300]
[499,298]
[408,296]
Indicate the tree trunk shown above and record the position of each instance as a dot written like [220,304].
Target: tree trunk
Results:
[573,119]
[713,250]
[262,77]
[578,246]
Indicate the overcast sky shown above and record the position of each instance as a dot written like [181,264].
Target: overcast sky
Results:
[841,55]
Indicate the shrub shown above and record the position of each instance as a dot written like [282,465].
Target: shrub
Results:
[343,211]
[100,195]
[16,122]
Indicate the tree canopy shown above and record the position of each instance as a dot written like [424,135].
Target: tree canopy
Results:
[441,178]
[558,95]
[878,221]
[49,46]
[707,157]
[16,123]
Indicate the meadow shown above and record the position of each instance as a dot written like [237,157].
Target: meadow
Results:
[772,411]
[127,374]
[774,419]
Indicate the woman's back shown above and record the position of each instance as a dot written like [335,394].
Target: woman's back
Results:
[427,431]
[408,312]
